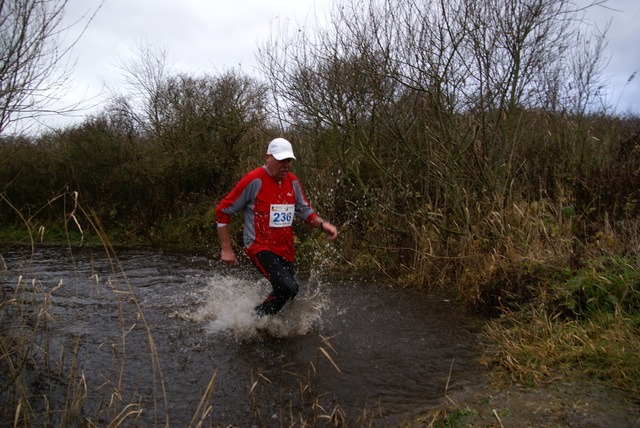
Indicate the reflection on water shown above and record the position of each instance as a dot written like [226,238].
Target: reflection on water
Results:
[363,352]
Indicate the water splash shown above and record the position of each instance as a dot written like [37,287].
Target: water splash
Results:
[228,306]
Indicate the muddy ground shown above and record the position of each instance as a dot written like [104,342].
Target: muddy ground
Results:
[560,404]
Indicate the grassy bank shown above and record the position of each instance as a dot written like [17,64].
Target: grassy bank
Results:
[570,356]
[586,324]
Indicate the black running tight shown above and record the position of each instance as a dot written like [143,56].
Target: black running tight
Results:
[281,275]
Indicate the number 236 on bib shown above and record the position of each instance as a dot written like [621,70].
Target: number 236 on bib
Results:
[281,215]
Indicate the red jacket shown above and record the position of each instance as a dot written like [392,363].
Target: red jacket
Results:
[268,207]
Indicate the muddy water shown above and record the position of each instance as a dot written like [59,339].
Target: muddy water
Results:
[158,328]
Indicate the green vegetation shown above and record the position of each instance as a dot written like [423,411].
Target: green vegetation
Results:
[505,180]
[585,325]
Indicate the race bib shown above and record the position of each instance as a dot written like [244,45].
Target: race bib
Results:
[281,215]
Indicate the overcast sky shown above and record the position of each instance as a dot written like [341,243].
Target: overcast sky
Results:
[210,35]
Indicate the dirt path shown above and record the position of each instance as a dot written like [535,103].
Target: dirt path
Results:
[558,405]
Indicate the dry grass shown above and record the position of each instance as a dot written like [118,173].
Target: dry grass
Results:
[540,349]
[585,324]
[565,290]
[569,300]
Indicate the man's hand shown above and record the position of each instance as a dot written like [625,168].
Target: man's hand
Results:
[330,230]
[228,257]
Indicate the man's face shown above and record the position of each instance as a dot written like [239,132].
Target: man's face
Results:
[278,169]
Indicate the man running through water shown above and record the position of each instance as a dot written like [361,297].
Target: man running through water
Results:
[269,198]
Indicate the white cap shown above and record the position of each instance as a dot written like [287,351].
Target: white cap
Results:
[280,149]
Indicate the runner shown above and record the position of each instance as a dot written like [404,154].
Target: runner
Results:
[269,198]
